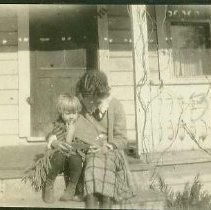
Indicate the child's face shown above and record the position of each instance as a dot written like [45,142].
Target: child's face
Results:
[69,116]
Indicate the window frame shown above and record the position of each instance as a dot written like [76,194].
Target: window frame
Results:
[166,71]
[24,73]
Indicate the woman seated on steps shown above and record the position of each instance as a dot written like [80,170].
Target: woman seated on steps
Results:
[107,178]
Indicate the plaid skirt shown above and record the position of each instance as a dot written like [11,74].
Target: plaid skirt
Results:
[106,174]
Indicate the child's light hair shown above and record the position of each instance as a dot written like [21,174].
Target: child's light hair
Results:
[69,103]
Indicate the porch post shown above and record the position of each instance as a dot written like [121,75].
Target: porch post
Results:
[140,63]
[24,71]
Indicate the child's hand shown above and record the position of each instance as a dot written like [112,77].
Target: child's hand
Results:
[71,124]
[52,141]
[66,148]
[58,145]
[54,144]
[70,132]
[61,146]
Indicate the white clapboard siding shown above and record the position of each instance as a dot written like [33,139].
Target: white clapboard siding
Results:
[8,82]
[131,142]
[8,127]
[8,67]
[124,47]
[8,76]
[120,64]
[120,54]
[10,55]
[130,120]
[153,61]
[121,78]
[8,97]
[8,112]
[8,140]
[129,106]
[131,135]
[123,92]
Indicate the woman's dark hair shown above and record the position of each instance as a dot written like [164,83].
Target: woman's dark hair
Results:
[93,83]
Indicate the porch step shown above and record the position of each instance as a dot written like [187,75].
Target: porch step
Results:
[15,159]
[14,193]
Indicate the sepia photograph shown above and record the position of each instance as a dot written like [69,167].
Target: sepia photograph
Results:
[105,106]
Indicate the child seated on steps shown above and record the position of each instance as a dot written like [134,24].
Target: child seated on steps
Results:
[61,135]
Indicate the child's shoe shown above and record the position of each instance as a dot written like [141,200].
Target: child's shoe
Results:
[48,191]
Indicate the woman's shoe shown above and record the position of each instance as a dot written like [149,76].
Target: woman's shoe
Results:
[77,198]
[69,192]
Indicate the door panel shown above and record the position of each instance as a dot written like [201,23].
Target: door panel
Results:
[50,81]
[49,59]
[45,101]
[61,59]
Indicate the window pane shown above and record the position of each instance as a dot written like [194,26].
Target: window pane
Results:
[191,49]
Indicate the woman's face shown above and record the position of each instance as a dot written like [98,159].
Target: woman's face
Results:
[91,103]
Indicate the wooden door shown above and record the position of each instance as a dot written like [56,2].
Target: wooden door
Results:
[63,47]
[50,78]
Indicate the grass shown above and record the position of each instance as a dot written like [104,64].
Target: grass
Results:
[191,198]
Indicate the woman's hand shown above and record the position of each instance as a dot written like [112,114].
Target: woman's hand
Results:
[104,148]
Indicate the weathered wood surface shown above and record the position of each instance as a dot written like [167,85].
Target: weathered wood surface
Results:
[8,76]
[8,127]
[8,97]
[8,82]
[8,67]
[8,112]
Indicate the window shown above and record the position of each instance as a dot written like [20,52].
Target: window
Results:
[190,48]
[181,35]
